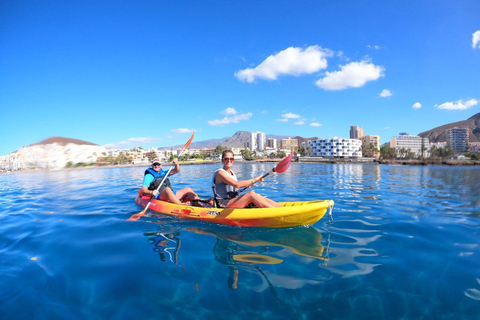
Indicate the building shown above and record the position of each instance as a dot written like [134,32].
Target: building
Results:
[375,141]
[407,142]
[457,139]
[356,132]
[289,144]
[272,143]
[474,147]
[258,141]
[336,148]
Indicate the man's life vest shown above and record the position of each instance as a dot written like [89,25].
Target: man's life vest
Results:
[158,178]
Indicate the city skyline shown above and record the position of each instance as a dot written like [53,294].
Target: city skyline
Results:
[147,74]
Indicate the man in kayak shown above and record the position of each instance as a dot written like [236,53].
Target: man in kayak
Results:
[154,176]
[226,185]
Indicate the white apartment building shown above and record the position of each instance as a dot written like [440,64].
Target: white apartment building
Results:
[258,141]
[336,148]
[409,142]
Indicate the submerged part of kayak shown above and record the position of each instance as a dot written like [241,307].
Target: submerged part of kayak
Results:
[291,214]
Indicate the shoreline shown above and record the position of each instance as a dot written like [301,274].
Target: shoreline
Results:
[306,160]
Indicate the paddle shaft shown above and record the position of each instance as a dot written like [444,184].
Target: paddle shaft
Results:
[265,175]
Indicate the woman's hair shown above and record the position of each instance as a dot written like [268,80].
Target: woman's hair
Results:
[225,152]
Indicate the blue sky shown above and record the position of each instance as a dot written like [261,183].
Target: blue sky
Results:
[148,72]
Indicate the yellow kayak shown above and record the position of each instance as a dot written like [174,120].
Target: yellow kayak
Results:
[290,215]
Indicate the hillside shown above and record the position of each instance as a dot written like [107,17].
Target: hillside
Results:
[238,140]
[438,134]
[62,141]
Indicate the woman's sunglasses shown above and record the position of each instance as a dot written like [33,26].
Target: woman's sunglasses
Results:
[228,159]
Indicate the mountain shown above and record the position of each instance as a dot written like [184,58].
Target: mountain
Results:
[238,140]
[438,134]
[62,141]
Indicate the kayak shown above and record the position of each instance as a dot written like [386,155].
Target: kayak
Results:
[291,214]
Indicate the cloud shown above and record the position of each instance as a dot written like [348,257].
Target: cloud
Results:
[385,93]
[315,124]
[459,105]
[232,117]
[300,122]
[182,130]
[229,111]
[374,47]
[291,61]
[417,105]
[132,142]
[283,120]
[354,74]
[476,39]
[291,116]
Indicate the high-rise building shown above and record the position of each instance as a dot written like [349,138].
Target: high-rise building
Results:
[410,143]
[356,132]
[457,139]
[258,141]
[336,148]
[272,143]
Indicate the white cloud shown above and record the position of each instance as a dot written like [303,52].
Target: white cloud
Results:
[132,142]
[385,93]
[283,120]
[374,47]
[459,105]
[417,105]
[291,61]
[315,124]
[291,116]
[182,130]
[354,74]
[229,111]
[300,122]
[235,118]
[476,39]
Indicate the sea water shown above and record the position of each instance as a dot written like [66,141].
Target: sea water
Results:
[404,244]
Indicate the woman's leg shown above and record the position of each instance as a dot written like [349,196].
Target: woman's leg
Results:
[252,197]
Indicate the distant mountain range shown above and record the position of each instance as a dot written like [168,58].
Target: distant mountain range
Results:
[238,140]
[438,134]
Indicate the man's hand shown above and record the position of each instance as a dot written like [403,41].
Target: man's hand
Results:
[154,193]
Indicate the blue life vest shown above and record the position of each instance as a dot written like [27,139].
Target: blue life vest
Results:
[158,178]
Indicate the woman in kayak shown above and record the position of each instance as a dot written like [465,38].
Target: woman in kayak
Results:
[226,185]
[154,176]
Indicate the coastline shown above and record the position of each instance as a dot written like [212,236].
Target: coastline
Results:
[305,160]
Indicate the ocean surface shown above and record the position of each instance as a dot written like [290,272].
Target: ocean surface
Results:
[403,244]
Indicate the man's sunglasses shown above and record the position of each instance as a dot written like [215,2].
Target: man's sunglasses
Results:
[157,164]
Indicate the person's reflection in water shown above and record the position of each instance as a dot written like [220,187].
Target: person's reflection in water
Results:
[164,243]
[224,251]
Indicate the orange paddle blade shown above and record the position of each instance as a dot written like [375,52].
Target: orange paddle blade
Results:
[137,216]
[283,165]
[188,142]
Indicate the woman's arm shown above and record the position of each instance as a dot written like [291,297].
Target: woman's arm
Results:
[222,176]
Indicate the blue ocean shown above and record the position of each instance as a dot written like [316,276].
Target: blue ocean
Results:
[403,244]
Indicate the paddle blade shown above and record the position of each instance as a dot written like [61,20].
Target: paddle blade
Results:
[188,142]
[283,165]
[137,216]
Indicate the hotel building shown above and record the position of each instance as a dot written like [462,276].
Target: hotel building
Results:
[409,142]
[336,148]
[258,141]
[457,139]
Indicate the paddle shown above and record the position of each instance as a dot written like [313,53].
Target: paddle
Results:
[142,213]
[281,167]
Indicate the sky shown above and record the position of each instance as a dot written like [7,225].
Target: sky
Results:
[148,73]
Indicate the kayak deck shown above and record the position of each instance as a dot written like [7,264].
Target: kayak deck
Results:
[289,215]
